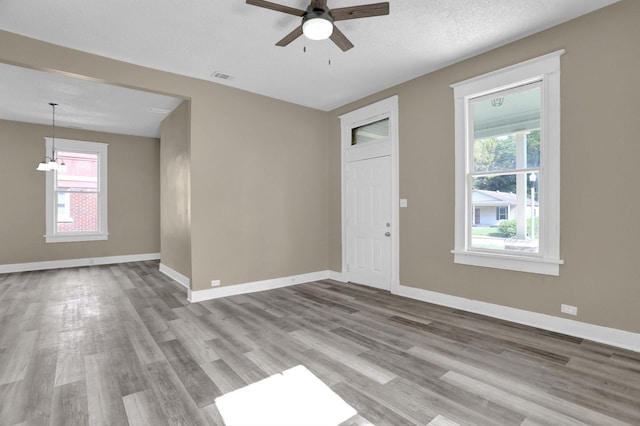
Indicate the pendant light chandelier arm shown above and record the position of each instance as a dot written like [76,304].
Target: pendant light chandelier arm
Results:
[51,163]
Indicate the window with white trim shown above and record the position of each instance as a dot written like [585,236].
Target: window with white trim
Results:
[502,213]
[507,136]
[76,195]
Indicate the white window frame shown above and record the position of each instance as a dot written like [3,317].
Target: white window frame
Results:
[68,145]
[545,69]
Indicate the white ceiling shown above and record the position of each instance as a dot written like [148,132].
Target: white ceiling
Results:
[25,96]
[199,37]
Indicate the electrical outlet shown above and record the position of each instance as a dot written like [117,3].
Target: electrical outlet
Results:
[215,283]
[568,309]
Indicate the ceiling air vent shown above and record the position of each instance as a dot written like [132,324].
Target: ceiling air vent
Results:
[221,76]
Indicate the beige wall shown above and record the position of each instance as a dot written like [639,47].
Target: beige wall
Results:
[259,188]
[175,191]
[599,184]
[259,191]
[133,196]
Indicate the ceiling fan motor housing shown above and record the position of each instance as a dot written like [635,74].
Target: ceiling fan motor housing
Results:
[317,13]
[317,23]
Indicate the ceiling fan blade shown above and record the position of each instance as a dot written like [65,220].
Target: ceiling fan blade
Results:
[290,37]
[363,11]
[277,7]
[340,39]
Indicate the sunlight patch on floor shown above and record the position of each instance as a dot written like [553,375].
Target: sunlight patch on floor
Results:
[295,397]
[442,421]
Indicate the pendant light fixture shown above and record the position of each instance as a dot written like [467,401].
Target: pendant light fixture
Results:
[52,163]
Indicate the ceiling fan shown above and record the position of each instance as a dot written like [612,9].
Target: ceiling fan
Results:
[318,20]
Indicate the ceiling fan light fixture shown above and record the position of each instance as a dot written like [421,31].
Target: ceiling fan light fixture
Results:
[317,25]
[318,19]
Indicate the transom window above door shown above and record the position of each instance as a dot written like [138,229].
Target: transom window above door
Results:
[371,132]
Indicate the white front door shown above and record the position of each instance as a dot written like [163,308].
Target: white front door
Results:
[369,222]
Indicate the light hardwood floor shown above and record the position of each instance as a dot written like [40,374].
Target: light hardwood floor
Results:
[120,345]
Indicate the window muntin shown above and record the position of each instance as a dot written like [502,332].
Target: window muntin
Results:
[77,197]
[535,171]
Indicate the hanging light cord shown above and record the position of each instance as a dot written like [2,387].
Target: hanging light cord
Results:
[53,132]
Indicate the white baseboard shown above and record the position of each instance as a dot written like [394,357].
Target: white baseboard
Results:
[338,276]
[175,275]
[74,263]
[252,287]
[610,336]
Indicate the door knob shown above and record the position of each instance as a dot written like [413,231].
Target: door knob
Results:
[387,234]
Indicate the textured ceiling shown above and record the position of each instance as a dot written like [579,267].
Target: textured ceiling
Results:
[199,37]
[25,95]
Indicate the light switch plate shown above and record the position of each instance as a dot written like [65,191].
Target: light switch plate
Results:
[403,202]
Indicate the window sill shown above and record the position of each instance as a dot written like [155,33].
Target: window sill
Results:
[534,265]
[75,238]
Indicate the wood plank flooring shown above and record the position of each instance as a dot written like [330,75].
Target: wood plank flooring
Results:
[120,345]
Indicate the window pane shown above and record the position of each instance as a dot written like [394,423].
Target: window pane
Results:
[504,125]
[81,174]
[492,154]
[63,207]
[82,212]
[370,132]
[502,217]
[533,149]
